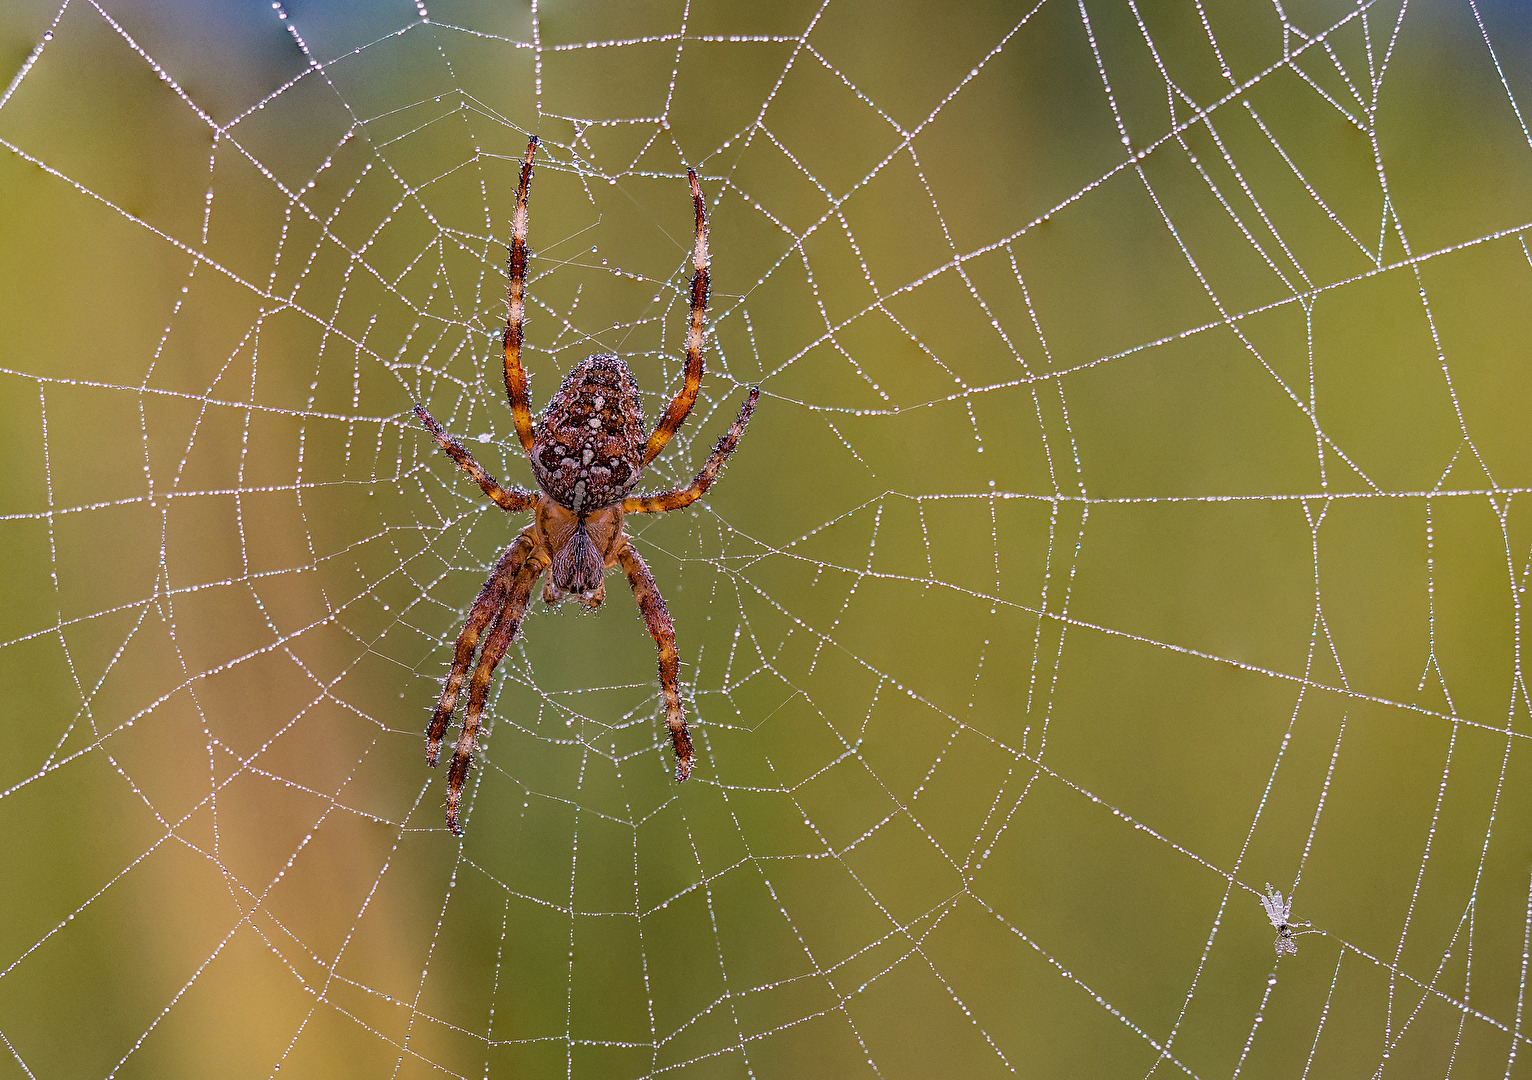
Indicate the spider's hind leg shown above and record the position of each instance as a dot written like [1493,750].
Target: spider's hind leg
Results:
[516,306]
[681,405]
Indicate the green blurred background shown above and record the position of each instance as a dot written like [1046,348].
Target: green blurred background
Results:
[1133,516]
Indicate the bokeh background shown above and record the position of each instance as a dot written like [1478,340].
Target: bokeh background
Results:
[1134,515]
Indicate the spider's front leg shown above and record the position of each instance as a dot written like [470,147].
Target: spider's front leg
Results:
[507,622]
[488,605]
[657,619]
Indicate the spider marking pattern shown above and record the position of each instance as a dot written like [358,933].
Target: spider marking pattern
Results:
[1280,912]
[587,454]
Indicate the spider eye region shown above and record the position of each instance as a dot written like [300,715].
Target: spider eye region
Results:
[588,449]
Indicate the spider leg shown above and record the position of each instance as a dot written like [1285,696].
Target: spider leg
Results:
[657,619]
[516,308]
[674,500]
[682,404]
[487,606]
[507,622]
[514,499]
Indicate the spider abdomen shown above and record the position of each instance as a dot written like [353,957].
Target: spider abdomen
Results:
[589,447]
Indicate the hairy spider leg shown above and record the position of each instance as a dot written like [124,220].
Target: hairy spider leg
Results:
[490,601]
[516,307]
[507,622]
[675,500]
[652,605]
[513,499]
[682,403]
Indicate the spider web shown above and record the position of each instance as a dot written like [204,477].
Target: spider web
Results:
[1133,517]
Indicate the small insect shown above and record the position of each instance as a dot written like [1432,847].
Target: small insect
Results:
[587,454]
[1279,911]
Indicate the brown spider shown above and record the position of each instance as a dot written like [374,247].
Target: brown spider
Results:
[587,454]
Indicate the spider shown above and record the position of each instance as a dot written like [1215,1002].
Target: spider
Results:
[586,454]
[1280,912]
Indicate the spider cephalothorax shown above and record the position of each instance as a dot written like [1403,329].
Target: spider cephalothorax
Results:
[586,453]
